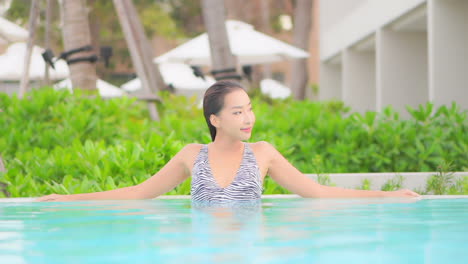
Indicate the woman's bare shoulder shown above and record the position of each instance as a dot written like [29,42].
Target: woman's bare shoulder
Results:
[261,144]
[191,150]
[262,147]
[264,153]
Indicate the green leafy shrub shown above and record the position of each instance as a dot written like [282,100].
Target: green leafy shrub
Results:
[393,184]
[54,141]
[365,185]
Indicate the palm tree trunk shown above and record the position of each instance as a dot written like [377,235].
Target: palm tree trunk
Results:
[76,34]
[223,61]
[139,46]
[47,38]
[141,53]
[24,83]
[266,28]
[302,26]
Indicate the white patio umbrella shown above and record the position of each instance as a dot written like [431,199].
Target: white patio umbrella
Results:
[10,32]
[105,89]
[12,64]
[179,75]
[274,89]
[250,47]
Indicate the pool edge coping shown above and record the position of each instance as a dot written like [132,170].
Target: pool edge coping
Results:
[268,196]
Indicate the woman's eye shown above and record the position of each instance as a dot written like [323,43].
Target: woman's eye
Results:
[237,113]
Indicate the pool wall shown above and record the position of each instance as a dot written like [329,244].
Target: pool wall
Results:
[412,180]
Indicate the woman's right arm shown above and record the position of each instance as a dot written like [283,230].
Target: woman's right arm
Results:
[171,175]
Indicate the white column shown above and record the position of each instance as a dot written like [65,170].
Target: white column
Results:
[448,52]
[402,69]
[359,83]
[330,81]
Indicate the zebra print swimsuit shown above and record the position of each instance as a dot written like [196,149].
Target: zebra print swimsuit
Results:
[247,184]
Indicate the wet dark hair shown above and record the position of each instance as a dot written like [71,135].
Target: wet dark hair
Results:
[213,101]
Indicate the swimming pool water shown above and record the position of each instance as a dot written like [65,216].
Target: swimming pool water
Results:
[274,230]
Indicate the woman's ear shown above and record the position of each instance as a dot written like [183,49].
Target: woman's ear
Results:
[214,120]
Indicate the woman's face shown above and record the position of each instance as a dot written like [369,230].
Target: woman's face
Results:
[236,119]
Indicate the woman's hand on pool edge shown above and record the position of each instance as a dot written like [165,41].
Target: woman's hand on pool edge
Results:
[402,193]
[53,198]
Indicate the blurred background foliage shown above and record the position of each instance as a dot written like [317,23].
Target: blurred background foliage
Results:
[54,141]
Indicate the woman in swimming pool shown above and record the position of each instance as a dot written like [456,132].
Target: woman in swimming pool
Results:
[228,169]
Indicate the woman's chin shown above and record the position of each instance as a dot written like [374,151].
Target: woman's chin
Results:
[246,136]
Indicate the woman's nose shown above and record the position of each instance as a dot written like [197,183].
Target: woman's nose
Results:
[248,118]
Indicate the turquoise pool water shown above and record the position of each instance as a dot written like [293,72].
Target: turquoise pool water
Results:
[291,230]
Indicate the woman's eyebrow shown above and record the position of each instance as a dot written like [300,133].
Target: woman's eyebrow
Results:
[239,106]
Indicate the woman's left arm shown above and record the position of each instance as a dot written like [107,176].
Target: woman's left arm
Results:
[285,174]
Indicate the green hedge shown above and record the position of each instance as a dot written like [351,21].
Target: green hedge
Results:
[54,141]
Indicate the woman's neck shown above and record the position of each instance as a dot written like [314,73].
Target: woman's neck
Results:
[225,144]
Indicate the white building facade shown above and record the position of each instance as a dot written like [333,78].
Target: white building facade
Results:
[375,53]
